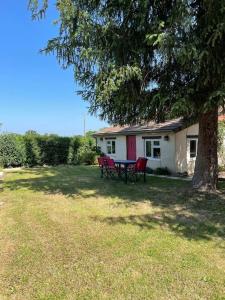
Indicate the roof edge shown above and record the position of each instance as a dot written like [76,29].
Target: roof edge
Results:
[102,134]
[126,131]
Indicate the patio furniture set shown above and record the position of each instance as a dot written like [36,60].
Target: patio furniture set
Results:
[127,169]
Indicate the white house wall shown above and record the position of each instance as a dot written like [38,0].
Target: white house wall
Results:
[175,153]
[121,147]
[167,152]
[182,155]
[101,144]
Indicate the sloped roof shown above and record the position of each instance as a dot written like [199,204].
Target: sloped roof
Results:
[151,127]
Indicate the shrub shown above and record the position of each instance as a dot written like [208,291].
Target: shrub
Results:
[162,171]
[87,151]
[149,170]
[54,149]
[12,150]
[33,151]
[86,155]
[63,144]
[75,143]
[20,145]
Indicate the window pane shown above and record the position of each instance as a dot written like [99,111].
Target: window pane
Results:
[148,149]
[108,142]
[109,149]
[156,152]
[113,147]
[193,148]
[156,143]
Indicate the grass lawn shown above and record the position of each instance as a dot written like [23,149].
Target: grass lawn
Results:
[65,233]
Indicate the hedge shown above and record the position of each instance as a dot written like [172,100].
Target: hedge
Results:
[33,149]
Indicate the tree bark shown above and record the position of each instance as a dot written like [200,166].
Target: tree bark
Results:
[206,166]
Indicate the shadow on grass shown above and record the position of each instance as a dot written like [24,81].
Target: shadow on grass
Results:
[187,213]
[195,226]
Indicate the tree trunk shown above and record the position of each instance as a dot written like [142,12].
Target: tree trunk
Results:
[206,166]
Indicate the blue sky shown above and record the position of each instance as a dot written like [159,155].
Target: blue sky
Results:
[35,93]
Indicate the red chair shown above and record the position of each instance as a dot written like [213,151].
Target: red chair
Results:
[139,168]
[101,165]
[111,168]
[102,162]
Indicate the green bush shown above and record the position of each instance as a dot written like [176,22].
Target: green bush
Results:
[86,154]
[149,170]
[33,149]
[54,149]
[75,143]
[162,171]
[12,150]
[87,151]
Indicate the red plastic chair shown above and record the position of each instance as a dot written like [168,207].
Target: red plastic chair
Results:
[111,168]
[141,164]
[139,167]
[102,162]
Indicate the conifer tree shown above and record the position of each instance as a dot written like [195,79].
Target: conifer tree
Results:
[141,60]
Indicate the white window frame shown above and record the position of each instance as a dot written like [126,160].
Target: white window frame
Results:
[152,148]
[109,144]
[189,148]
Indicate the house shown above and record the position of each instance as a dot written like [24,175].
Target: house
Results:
[170,144]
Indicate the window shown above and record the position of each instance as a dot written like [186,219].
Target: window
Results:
[148,148]
[193,148]
[152,149]
[111,147]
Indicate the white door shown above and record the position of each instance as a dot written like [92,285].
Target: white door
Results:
[192,149]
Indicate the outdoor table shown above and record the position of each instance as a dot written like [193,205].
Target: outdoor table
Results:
[125,163]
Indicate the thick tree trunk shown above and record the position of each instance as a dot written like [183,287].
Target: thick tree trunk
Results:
[206,166]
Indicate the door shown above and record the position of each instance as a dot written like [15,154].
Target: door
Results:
[192,149]
[131,147]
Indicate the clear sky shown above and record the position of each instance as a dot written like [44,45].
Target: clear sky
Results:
[34,92]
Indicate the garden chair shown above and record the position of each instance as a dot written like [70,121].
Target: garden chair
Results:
[138,168]
[111,169]
[102,165]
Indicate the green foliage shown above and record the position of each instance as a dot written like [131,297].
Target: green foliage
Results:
[86,155]
[145,60]
[33,149]
[159,171]
[54,149]
[142,60]
[149,170]
[20,147]
[12,150]
[162,171]
[87,151]
[75,144]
